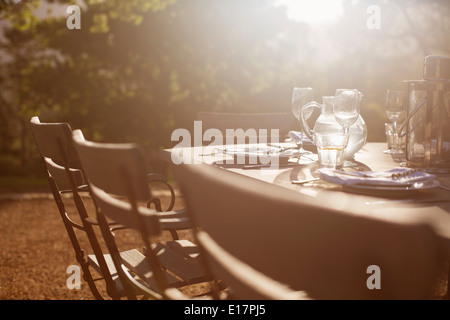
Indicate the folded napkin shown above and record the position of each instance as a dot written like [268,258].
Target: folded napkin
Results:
[393,177]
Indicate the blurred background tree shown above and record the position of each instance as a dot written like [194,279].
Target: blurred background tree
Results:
[138,69]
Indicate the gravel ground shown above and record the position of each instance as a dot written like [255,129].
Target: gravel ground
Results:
[35,251]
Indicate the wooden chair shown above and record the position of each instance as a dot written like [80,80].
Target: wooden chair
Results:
[116,176]
[301,242]
[245,121]
[54,142]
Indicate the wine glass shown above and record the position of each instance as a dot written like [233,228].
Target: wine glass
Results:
[395,110]
[346,107]
[300,97]
[346,112]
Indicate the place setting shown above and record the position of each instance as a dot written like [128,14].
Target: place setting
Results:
[394,181]
[297,145]
[339,132]
[258,156]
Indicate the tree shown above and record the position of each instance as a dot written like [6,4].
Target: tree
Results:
[138,69]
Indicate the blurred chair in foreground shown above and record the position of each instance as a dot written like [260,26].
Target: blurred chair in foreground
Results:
[302,243]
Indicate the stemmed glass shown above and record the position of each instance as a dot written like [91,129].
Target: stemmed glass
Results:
[395,110]
[300,97]
[346,111]
[346,108]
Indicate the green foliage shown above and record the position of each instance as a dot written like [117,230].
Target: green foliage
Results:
[138,69]
[132,11]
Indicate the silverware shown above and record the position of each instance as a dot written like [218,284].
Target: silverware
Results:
[304,181]
[403,174]
[444,187]
[282,148]
[393,176]
[280,165]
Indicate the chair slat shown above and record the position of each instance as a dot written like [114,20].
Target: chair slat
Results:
[59,173]
[185,248]
[121,212]
[185,269]
[136,262]
[101,160]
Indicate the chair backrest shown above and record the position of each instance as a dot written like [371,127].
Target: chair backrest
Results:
[305,244]
[267,121]
[107,164]
[54,142]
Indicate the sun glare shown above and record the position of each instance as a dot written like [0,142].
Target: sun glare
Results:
[312,11]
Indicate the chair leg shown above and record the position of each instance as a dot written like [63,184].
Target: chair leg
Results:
[112,290]
[174,235]
[79,253]
[87,276]
[115,255]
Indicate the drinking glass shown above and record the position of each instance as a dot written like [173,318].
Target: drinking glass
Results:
[300,97]
[346,107]
[346,112]
[391,142]
[396,110]
[331,149]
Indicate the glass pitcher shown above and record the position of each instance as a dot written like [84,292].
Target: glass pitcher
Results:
[326,123]
[427,126]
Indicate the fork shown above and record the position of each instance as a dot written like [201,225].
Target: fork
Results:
[404,174]
[393,176]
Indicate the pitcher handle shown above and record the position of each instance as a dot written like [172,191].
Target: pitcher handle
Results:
[304,116]
[401,130]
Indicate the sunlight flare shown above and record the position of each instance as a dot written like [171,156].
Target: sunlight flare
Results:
[312,12]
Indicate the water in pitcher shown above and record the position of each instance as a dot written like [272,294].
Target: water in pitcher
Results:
[357,139]
[327,124]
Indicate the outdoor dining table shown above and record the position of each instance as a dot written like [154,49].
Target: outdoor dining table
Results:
[430,205]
